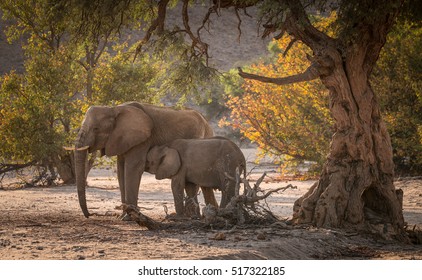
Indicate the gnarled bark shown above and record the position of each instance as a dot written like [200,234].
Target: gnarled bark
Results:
[356,185]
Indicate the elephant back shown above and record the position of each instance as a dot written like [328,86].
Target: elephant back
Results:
[171,124]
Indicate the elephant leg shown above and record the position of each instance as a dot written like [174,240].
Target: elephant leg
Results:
[192,204]
[134,165]
[177,187]
[132,176]
[132,181]
[121,181]
[228,191]
[121,177]
[209,196]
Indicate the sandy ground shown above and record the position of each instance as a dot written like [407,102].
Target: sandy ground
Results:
[46,223]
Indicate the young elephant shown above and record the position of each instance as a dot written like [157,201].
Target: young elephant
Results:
[197,162]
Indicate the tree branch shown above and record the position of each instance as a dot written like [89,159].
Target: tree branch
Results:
[211,10]
[4,167]
[321,66]
[310,74]
[239,23]
[157,23]
[197,43]
[298,25]
[106,37]
[267,194]
[289,46]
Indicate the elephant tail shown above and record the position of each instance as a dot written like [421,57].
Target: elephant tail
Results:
[242,169]
[207,131]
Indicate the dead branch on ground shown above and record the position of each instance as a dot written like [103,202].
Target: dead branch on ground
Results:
[244,208]
[414,234]
[141,219]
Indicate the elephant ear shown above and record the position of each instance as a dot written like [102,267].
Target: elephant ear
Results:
[132,127]
[169,164]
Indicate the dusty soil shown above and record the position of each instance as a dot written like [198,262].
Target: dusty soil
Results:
[46,223]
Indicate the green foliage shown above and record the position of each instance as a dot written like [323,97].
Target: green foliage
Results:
[190,78]
[118,79]
[232,83]
[398,81]
[182,75]
[44,20]
[36,110]
[40,109]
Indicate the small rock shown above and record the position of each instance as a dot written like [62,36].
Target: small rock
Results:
[101,251]
[219,236]
[4,242]
[40,248]
[280,224]
[81,257]
[261,236]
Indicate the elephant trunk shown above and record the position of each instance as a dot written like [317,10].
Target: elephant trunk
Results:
[81,157]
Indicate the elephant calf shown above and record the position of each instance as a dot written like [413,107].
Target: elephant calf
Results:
[197,162]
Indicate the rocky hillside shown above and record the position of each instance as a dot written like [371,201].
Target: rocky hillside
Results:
[228,47]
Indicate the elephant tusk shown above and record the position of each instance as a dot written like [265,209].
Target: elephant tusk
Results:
[76,149]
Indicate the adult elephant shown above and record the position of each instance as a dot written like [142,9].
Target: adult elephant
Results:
[128,131]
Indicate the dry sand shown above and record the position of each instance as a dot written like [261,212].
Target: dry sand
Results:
[46,223]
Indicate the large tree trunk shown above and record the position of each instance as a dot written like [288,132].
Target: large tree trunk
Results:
[356,185]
